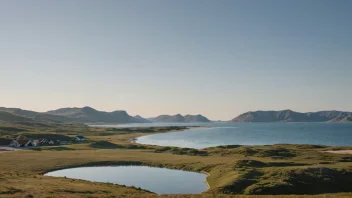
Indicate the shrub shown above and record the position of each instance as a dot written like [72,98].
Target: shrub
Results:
[249,163]
[280,153]
[105,145]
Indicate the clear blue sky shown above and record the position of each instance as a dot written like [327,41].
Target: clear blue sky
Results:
[217,58]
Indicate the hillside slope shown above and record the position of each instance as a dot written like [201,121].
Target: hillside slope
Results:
[178,118]
[88,114]
[35,116]
[292,116]
[10,117]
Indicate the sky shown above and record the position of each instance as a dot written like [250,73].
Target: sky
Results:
[216,58]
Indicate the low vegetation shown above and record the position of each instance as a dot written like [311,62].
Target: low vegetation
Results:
[181,151]
[235,171]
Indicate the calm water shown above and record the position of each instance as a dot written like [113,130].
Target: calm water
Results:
[333,134]
[158,180]
[154,124]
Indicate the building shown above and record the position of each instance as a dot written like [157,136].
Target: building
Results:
[80,138]
[45,141]
[22,143]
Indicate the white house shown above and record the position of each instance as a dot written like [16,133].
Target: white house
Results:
[15,143]
[80,138]
[22,143]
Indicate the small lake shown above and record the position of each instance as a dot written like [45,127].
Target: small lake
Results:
[157,180]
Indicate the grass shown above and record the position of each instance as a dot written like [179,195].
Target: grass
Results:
[50,136]
[235,171]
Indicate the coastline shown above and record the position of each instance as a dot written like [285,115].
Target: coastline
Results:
[206,182]
[134,139]
[341,152]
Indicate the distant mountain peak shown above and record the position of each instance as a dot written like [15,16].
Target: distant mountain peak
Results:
[88,110]
[90,115]
[292,116]
[178,118]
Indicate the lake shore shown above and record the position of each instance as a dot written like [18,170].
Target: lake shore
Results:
[342,152]
[256,166]
[135,139]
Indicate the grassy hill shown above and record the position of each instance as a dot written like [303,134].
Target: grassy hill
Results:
[90,115]
[10,117]
[33,116]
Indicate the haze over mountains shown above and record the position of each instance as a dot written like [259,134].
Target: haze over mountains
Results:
[292,116]
[179,118]
[89,115]
[17,114]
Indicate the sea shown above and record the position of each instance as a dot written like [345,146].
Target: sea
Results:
[231,133]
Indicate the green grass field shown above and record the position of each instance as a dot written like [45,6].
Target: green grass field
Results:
[235,171]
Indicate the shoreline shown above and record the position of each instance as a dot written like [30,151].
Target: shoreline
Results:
[134,139]
[341,152]
[122,163]
[206,182]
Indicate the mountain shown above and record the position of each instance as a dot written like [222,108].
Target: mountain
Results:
[292,116]
[141,119]
[195,118]
[90,115]
[178,118]
[34,116]
[10,117]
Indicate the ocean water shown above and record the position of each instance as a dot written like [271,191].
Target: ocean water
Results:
[331,134]
[158,180]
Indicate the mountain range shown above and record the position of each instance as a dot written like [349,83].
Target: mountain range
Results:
[88,115]
[292,116]
[179,118]
[18,115]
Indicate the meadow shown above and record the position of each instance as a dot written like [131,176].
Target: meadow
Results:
[234,170]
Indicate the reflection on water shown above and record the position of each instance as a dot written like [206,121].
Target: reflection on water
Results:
[332,134]
[158,180]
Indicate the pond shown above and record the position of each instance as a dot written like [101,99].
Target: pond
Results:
[157,180]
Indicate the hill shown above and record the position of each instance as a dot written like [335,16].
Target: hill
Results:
[178,118]
[90,115]
[292,116]
[34,116]
[196,118]
[10,117]
[141,119]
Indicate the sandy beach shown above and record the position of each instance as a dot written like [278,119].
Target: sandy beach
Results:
[340,152]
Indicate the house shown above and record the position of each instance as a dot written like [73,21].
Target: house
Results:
[45,141]
[36,142]
[22,143]
[80,138]
[29,143]
[15,143]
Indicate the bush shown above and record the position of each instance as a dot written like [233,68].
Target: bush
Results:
[249,163]
[188,151]
[245,151]
[279,153]
[303,181]
[105,145]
